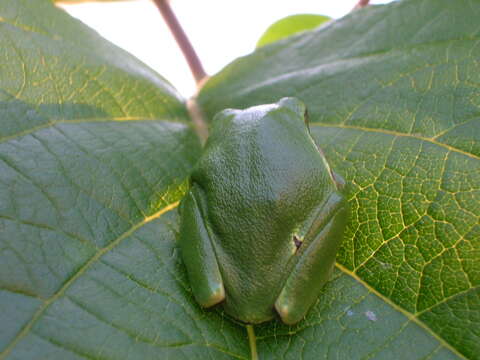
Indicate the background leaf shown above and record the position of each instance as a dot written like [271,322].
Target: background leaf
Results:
[393,97]
[290,25]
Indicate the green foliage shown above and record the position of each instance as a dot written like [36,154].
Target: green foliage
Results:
[95,149]
[290,25]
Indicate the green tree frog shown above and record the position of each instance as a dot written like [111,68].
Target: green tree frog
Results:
[264,216]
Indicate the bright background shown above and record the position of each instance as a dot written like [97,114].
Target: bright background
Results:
[220,30]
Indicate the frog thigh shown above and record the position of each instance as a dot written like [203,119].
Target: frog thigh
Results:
[197,251]
[314,268]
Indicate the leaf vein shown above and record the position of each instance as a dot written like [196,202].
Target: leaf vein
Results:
[28,327]
[395,133]
[412,317]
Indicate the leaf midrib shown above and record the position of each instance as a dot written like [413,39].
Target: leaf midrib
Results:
[411,317]
[399,134]
[53,123]
[26,329]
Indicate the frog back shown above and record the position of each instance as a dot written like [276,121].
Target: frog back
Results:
[261,176]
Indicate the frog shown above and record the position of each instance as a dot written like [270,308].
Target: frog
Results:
[264,216]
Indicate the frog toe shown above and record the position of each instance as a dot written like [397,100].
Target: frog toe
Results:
[288,313]
[214,296]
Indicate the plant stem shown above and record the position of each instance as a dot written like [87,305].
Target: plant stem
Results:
[182,40]
[361,4]
[198,120]
[252,341]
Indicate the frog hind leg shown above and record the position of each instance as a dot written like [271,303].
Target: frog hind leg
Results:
[316,262]
[197,251]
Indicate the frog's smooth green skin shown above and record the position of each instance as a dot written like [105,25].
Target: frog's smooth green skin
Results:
[264,216]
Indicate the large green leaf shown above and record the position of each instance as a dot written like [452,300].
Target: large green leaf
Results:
[393,94]
[94,148]
[94,152]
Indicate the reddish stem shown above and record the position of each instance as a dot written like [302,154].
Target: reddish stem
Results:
[182,40]
[361,4]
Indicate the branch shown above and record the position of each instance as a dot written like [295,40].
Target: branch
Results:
[182,40]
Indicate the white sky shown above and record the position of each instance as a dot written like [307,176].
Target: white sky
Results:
[220,30]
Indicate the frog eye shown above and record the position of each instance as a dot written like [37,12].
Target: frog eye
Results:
[297,241]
